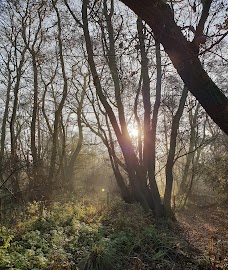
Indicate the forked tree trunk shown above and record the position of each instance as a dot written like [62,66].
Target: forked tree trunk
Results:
[150,126]
[147,195]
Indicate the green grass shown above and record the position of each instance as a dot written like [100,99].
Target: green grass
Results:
[75,236]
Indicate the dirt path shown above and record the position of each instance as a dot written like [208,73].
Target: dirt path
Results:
[206,228]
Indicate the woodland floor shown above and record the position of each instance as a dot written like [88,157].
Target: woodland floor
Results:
[76,235]
[206,228]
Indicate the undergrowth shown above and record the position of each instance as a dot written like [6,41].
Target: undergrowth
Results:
[87,237]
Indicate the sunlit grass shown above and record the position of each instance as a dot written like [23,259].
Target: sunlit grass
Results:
[81,235]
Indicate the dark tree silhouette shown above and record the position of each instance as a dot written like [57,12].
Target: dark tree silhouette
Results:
[184,55]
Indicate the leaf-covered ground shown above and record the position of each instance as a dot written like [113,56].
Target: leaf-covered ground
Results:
[207,229]
[87,236]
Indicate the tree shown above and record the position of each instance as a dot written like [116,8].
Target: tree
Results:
[35,124]
[171,154]
[184,54]
[140,166]
[107,73]
[59,109]
[33,44]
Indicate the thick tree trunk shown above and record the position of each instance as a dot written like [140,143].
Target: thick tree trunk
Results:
[150,128]
[182,54]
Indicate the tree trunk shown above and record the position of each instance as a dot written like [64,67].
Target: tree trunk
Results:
[13,137]
[150,132]
[34,117]
[159,17]
[15,105]
[58,112]
[132,165]
[70,167]
[4,121]
[153,132]
[191,152]
[171,155]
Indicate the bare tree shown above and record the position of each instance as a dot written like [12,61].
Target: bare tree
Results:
[184,54]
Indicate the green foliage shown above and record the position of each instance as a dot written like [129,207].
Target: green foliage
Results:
[75,236]
[100,257]
[5,237]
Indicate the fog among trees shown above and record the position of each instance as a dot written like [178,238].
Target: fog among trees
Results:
[109,100]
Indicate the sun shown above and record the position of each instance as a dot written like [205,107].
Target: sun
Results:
[134,132]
